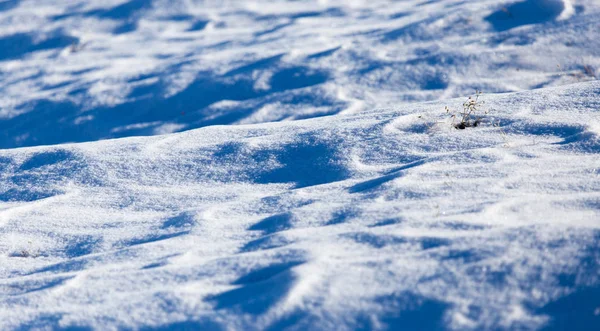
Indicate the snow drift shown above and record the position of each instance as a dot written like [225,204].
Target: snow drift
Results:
[388,218]
[382,216]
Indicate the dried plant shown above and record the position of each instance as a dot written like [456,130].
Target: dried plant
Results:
[28,252]
[470,114]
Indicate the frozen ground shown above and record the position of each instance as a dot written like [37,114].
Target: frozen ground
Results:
[381,217]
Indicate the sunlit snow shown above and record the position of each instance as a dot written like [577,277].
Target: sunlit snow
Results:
[234,200]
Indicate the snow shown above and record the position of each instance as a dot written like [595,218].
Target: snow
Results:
[277,60]
[169,165]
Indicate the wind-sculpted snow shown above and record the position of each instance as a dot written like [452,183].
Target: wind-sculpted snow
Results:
[386,219]
[384,216]
[74,71]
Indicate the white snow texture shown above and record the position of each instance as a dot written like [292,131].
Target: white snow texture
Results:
[291,165]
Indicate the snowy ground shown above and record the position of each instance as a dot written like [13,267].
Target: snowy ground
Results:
[75,70]
[382,217]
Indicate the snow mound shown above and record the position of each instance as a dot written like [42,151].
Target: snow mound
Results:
[383,219]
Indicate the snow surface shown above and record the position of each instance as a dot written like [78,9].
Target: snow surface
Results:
[73,71]
[382,217]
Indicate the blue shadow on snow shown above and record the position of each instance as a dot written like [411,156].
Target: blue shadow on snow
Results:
[272,224]
[525,13]
[50,122]
[259,290]
[306,163]
[580,309]
[21,44]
